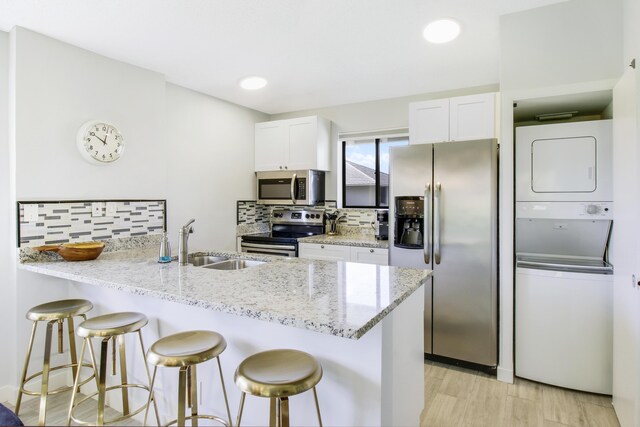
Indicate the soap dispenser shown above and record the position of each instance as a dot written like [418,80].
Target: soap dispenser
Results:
[164,254]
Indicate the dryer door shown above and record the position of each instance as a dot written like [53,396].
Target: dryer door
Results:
[564,165]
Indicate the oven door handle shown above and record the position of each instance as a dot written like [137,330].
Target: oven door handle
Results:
[268,246]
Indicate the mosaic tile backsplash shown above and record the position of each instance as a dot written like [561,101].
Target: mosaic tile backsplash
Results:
[356,221]
[62,222]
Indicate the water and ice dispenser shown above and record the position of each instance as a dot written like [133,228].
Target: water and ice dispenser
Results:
[409,222]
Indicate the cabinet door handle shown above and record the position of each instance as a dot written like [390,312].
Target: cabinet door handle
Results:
[371,250]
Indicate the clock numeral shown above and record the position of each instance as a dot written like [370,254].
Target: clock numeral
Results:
[91,147]
[104,128]
[96,153]
[92,133]
[103,156]
[111,155]
[116,137]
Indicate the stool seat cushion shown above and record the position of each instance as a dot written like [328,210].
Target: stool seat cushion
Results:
[56,310]
[186,348]
[278,373]
[112,324]
[8,417]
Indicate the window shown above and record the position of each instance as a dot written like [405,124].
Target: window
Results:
[365,171]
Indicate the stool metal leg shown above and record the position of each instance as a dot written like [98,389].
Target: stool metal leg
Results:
[284,411]
[273,412]
[242,395]
[146,411]
[315,397]
[26,366]
[72,347]
[76,380]
[182,398]
[45,374]
[146,368]
[60,336]
[104,355]
[194,395]
[224,391]
[123,376]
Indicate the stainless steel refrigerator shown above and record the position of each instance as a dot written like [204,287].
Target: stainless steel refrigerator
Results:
[443,216]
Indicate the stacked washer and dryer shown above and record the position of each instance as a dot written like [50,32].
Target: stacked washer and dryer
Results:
[564,284]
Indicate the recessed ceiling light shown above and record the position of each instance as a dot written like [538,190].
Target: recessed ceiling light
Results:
[253,83]
[441,31]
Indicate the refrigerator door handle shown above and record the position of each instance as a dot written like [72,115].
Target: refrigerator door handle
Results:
[436,222]
[427,239]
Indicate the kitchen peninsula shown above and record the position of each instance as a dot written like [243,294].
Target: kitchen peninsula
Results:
[363,322]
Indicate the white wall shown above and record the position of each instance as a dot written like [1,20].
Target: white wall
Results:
[7,302]
[624,242]
[191,149]
[59,87]
[210,168]
[365,116]
[564,43]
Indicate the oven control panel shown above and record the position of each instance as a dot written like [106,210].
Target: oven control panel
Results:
[306,216]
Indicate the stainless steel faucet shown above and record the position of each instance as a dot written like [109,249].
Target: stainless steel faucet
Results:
[183,234]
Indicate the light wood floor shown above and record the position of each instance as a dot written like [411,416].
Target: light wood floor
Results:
[454,397]
[464,398]
[57,407]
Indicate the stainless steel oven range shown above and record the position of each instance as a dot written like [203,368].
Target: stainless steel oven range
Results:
[286,227]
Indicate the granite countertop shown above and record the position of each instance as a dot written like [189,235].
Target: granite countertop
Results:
[344,299]
[363,240]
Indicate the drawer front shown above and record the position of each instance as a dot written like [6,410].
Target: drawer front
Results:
[324,252]
[370,255]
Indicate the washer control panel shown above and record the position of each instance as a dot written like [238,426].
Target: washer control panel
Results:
[595,209]
[565,210]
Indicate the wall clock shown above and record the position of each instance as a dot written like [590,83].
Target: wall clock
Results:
[100,142]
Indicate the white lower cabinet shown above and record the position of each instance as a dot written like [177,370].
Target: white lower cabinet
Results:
[344,253]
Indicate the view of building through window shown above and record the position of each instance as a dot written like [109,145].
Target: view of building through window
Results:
[366,171]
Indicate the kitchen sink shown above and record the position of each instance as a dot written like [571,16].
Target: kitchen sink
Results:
[198,261]
[234,264]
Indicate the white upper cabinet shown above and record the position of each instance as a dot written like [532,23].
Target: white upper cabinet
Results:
[472,117]
[429,121]
[453,119]
[294,144]
[270,150]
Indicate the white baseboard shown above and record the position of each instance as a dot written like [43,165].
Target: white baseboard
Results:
[8,393]
[505,375]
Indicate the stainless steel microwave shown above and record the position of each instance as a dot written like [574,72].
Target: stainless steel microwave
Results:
[303,187]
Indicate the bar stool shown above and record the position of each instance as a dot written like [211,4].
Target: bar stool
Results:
[109,327]
[186,350]
[278,374]
[52,313]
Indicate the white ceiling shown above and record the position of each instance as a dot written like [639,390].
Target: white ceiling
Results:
[314,53]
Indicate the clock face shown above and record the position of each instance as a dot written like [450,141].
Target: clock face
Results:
[100,142]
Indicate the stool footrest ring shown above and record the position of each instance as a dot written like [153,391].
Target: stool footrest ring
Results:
[203,417]
[62,389]
[115,420]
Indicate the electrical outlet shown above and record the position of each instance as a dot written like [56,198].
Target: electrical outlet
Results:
[96,209]
[111,208]
[31,212]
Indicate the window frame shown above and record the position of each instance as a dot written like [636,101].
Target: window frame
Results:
[377,174]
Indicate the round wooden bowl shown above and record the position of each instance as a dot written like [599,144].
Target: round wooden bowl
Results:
[84,251]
